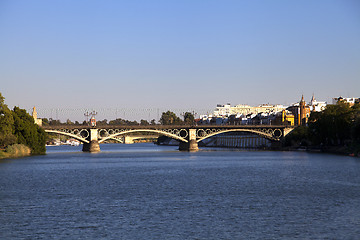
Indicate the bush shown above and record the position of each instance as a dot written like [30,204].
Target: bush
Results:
[16,150]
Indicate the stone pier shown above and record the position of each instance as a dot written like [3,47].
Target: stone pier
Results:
[191,145]
[93,145]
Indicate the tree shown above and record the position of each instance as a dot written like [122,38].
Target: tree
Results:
[102,122]
[27,132]
[69,122]
[189,118]
[298,137]
[331,126]
[45,122]
[153,122]
[144,122]
[53,122]
[6,125]
[355,126]
[170,118]
[117,121]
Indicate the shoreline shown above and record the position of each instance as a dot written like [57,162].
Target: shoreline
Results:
[336,150]
[15,151]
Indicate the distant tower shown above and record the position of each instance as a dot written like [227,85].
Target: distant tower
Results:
[37,120]
[34,113]
[313,100]
[302,106]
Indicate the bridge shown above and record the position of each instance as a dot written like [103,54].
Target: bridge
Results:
[188,136]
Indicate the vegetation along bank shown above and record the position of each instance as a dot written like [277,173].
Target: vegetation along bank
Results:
[19,135]
[334,130]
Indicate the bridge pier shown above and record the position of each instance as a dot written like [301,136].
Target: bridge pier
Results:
[128,140]
[191,145]
[93,146]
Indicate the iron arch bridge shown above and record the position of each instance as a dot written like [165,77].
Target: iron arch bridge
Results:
[188,136]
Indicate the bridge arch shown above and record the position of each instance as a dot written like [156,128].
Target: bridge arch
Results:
[81,139]
[267,135]
[171,135]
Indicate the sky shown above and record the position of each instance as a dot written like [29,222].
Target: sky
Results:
[139,55]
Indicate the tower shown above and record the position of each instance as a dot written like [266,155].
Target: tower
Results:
[37,121]
[302,115]
[34,113]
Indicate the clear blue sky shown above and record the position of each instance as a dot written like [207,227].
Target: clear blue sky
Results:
[177,54]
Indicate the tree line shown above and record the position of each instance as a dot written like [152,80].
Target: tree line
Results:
[167,118]
[337,127]
[18,127]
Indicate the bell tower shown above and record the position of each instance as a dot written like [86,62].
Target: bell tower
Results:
[302,117]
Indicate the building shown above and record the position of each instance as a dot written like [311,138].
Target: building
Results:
[317,106]
[240,109]
[37,121]
[287,118]
[350,101]
[295,115]
[301,112]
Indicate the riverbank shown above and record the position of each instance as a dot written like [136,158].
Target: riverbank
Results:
[15,151]
[338,150]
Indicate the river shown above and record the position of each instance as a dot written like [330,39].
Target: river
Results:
[145,191]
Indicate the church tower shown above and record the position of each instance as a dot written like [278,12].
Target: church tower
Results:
[302,117]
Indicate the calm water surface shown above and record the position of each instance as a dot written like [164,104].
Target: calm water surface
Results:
[144,191]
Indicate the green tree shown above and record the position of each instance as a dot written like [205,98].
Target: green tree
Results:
[189,118]
[331,126]
[355,126]
[53,122]
[298,137]
[45,122]
[102,122]
[170,118]
[120,121]
[27,132]
[69,122]
[144,122]
[6,125]
[117,121]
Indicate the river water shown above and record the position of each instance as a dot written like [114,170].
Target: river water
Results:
[145,191]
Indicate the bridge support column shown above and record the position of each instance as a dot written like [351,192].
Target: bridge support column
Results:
[191,145]
[93,145]
[128,140]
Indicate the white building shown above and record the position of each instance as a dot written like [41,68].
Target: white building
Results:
[316,106]
[351,101]
[240,109]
